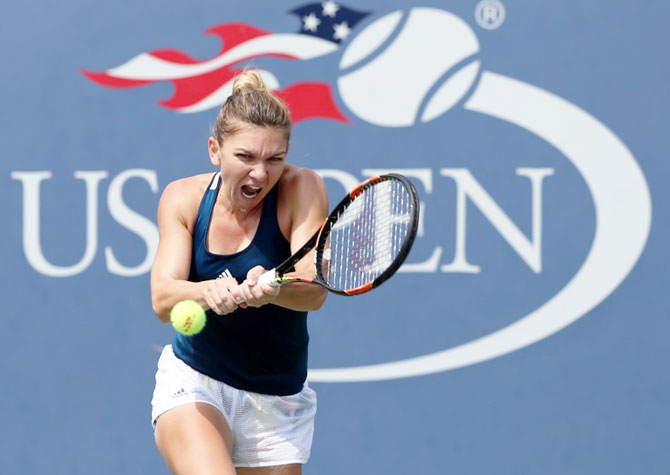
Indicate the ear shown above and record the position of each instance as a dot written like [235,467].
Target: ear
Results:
[214,151]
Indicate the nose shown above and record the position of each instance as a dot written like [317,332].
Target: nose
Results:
[259,172]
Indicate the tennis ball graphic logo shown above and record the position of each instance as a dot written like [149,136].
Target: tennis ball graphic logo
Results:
[399,73]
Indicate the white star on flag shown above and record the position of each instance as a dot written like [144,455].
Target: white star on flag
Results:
[311,22]
[342,30]
[330,8]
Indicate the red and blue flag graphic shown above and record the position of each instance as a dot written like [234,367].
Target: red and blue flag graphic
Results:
[205,84]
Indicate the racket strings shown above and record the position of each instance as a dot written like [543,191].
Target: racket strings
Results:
[368,235]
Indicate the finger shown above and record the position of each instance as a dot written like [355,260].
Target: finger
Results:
[266,290]
[270,290]
[226,304]
[221,297]
[229,306]
[260,297]
[252,296]
[209,299]
[247,293]
[252,293]
[226,299]
[222,286]
[236,294]
[229,281]
[253,275]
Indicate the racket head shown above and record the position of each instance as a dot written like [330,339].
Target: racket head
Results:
[368,235]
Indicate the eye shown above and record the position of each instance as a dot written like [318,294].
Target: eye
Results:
[277,159]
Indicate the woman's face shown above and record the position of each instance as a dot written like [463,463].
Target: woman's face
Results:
[252,161]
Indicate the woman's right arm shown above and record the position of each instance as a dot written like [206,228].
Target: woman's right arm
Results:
[169,275]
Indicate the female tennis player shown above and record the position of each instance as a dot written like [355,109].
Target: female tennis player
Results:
[234,397]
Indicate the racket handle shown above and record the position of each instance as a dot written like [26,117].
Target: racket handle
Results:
[269,278]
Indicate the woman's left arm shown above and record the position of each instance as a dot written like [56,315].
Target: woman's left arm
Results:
[308,207]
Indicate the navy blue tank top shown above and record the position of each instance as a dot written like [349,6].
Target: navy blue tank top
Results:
[263,350]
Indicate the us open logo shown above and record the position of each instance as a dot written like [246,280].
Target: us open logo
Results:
[612,175]
[378,84]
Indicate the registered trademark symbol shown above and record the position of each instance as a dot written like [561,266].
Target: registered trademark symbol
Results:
[490,14]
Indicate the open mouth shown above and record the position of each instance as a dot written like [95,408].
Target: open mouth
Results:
[250,191]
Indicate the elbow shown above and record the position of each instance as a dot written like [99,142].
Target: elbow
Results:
[309,298]
[159,309]
[320,299]
[163,316]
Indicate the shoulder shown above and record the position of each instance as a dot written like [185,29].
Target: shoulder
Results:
[181,198]
[302,198]
[185,190]
[296,182]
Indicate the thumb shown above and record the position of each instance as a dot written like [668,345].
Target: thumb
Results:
[254,274]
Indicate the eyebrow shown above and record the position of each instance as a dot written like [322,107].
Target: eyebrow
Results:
[250,152]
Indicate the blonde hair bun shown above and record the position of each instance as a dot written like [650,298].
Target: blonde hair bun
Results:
[251,103]
[249,80]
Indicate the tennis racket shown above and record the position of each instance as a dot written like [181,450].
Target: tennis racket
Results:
[363,241]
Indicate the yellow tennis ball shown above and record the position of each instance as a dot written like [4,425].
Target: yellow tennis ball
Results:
[188,317]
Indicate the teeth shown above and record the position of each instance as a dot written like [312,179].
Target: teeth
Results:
[250,190]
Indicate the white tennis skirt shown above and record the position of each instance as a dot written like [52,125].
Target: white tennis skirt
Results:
[267,430]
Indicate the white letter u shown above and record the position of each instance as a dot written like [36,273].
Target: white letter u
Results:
[32,246]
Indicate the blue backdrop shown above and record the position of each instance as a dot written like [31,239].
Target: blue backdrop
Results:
[526,333]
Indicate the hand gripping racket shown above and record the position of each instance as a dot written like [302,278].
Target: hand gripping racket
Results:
[363,242]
